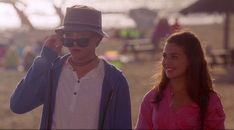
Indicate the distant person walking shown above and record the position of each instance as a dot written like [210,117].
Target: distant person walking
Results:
[11,58]
[176,27]
[161,30]
[184,97]
[78,90]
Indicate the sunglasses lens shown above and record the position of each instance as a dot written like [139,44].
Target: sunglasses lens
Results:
[81,42]
[68,42]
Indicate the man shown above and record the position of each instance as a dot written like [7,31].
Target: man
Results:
[78,90]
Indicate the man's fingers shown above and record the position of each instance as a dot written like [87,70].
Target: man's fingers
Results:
[54,42]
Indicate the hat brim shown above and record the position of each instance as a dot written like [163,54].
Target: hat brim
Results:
[83,29]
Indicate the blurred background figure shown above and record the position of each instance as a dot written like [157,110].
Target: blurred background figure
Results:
[3,49]
[176,27]
[161,30]
[28,57]
[11,58]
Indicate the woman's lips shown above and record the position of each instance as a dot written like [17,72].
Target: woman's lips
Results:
[169,69]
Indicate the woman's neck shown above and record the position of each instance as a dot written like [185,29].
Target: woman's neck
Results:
[178,84]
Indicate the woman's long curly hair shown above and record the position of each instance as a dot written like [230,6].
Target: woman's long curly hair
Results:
[198,79]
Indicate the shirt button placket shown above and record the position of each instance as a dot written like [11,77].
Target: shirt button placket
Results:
[75,93]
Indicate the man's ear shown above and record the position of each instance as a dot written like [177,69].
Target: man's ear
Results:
[59,32]
[99,39]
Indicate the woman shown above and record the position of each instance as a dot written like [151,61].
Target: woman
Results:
[184,97]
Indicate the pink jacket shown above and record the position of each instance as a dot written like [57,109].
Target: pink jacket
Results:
[187,117]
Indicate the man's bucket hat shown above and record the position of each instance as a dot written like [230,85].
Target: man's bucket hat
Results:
[80,18]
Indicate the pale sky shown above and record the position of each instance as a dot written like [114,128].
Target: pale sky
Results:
[8,17]
[42,14]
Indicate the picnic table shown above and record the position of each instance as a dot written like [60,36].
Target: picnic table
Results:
[221,57]
[137,47]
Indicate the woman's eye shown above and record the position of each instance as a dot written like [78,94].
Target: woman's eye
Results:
[174,57]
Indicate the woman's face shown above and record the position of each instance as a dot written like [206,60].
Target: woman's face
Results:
[174,62]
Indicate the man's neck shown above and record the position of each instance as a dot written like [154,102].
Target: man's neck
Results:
[82,69]
[79,63]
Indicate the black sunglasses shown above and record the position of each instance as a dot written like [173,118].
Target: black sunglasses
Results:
[81,42]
